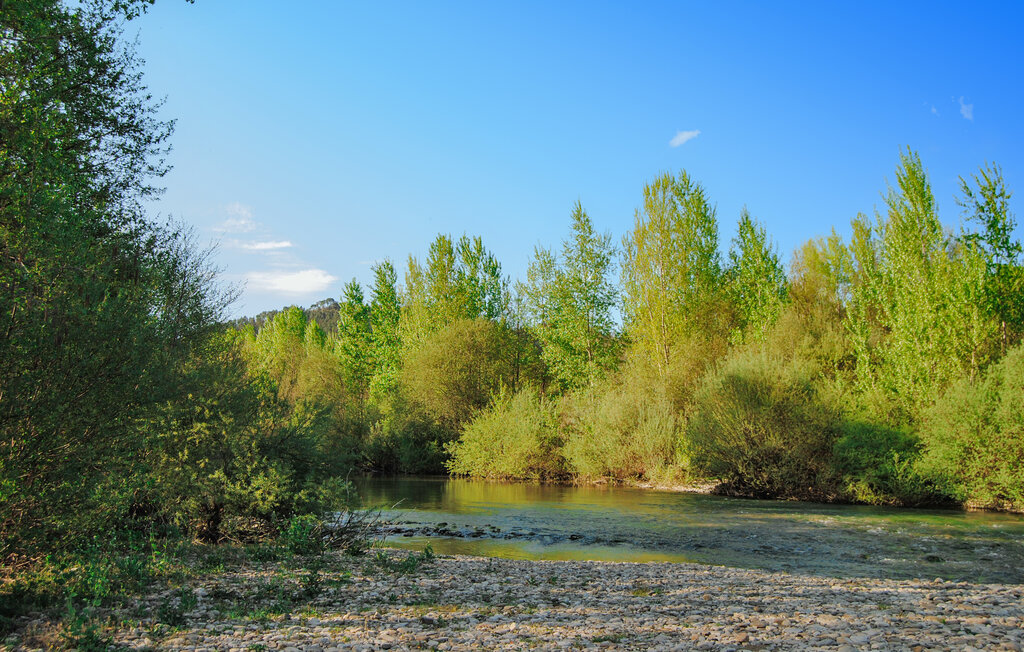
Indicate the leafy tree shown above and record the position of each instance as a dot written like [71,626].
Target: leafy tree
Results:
[483,289]
[577,297]
[989,207]
[457,370]
[97,304]
[459,281]
[757,281]
[919,318]
[354,346]
[385,315]
[671,268]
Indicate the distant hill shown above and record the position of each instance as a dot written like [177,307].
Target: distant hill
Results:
[325,312]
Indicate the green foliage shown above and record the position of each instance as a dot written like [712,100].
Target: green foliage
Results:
[303,535]
[671,270]
[626,429]
[989,207]
[974,437]
[761,425]
[461,280]
[516,437]
[456,370]
[571,305]
[236,448]
[354,344]
[877,464]
[385,317]
[919,317]
[97,304]
[756,280]
[406,565]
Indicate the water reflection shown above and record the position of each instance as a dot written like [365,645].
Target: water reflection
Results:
[535,521]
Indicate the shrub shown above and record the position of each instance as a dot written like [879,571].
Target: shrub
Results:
[760,425]
[877,465]
[626,429]
[973,437]
[516,437]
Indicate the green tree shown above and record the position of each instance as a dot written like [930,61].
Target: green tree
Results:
[385,315]
[989,206]
[354,345]
[919,316]
[671,268]
[575,301]
[757,280]
[97,304]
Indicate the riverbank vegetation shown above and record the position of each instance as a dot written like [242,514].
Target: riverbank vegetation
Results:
[880,369]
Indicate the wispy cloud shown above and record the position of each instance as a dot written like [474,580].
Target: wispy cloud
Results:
[966,110]
[266,246]
[302,282]
[935,111]
[239,219]
[683,137]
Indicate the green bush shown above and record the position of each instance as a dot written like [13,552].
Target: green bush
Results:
[516,437]
[760,425]
[877,463]
[626,429]
[973,437]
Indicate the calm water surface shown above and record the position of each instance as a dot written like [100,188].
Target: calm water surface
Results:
[530,521]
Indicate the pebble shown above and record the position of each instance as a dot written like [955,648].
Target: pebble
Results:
[461,603]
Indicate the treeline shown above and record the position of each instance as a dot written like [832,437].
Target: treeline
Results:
[885,369]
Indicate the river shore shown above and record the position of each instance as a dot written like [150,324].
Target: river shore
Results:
[395,600]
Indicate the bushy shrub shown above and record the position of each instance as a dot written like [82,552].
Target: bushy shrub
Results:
[516,437]
[626,428]
[877,465]
[456,370]
[760,425]
[973,437]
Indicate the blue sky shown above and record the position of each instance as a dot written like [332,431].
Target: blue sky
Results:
[316,138]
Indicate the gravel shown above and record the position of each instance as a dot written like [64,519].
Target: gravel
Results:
[470,603]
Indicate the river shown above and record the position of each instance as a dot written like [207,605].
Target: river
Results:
[607,523]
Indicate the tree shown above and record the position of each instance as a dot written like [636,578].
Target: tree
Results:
[354,346]
[757,280]
[385,314]
[98,305]
[459,281]
[671,268]
[989,207]
[576,299]
[918,312]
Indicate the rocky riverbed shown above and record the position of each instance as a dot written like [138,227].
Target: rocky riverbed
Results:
[394,600]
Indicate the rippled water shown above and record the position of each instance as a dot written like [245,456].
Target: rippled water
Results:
[531,521]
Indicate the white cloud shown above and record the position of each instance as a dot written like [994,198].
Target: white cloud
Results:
[934,110]
[303,282]
[966,110]
[683,136]
[239,219]
[265,246]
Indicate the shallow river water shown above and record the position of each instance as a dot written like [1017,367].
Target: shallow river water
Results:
[531,521]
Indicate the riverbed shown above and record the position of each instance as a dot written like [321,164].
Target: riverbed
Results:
[610,523]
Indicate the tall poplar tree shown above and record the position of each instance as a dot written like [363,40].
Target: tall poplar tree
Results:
[385,314]
[577,327]
[756,279]
[671,267]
